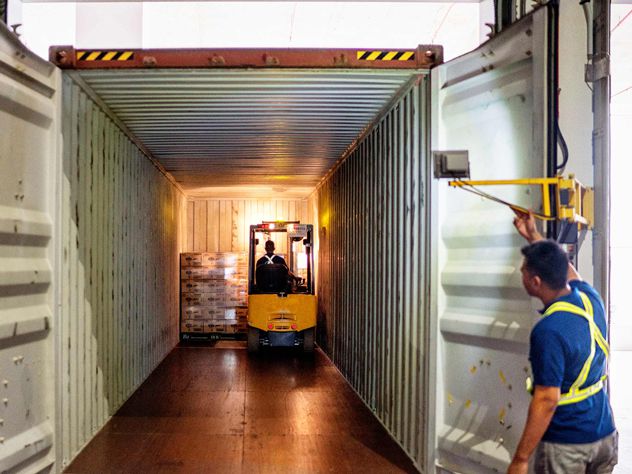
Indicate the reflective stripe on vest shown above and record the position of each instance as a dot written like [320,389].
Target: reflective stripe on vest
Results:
[577,394]
[269,259]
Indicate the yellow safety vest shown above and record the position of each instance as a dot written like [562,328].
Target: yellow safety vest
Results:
[576,393]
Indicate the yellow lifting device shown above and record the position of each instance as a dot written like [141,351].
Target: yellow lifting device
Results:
[574,201]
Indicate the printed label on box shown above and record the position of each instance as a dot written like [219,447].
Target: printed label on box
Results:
[214,273]
[192,273]
[192,300]
[225,259]
[192,286]
[191,260]
[193,312]
[192,326]
[214,326]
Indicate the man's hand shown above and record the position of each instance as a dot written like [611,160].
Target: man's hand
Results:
[525,225]
[518,467]
[541,410]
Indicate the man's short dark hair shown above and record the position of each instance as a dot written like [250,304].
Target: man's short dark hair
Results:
[547,260]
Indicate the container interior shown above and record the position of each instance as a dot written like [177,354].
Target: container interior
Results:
[157,162]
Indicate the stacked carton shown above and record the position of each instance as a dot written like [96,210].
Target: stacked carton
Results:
[214,292]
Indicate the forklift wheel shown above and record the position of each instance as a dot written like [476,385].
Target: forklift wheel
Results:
[308,341]
[253,340]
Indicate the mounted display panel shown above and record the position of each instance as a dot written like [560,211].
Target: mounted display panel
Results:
[491,103]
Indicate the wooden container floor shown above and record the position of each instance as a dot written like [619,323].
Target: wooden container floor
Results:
[212,408]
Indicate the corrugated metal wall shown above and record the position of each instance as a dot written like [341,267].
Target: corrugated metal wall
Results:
[222,225]
[213,127]
[121,240]
[372,268]
[28,108]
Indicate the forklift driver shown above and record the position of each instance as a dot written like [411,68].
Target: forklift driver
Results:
[270,258]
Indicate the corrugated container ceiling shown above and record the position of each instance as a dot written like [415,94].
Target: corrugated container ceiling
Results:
[281,129]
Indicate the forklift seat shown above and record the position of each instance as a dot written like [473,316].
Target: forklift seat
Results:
[272,278]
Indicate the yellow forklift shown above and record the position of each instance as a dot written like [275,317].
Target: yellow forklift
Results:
[281,296]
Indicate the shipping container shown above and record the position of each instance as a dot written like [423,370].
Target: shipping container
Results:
[116,162]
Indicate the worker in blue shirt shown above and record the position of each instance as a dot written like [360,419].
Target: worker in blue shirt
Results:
[569,425]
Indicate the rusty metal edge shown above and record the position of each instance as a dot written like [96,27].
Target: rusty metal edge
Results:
[426,57]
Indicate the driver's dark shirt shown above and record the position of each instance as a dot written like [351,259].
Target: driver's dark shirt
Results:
[276,259]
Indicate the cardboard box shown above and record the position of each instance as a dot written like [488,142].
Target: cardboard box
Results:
[193,312]
[191,300]
[213,299]
[192,326]
[221,291]
[214,292]
[221,313]
[216,286]
[191,259]
[235,300]
[229,314]
[192,286]
[207,312]
[214,326]
[209,306]
[221,325]
[237,284]
[187,295]
[204,299]
[192,273]
[220,259]
[208,273]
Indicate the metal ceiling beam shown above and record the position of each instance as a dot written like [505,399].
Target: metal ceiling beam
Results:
[423,56]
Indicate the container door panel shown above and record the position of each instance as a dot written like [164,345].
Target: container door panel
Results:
[28,158]
[490,102]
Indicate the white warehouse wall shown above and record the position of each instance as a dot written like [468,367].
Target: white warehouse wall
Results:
[621,122]
[249,24]
[621,227]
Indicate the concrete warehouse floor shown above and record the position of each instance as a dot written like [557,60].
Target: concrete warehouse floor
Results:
[212,408]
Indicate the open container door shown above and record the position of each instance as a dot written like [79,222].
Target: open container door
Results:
[493,103]
[29,112]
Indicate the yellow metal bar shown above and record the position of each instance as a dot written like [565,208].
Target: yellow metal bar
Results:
[546,201]
[578,210]
[494,182]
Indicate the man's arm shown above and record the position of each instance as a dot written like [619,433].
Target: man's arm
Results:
[289,272]
[541,411]
[525,225]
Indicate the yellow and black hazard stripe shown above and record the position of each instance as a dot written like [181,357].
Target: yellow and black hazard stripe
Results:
[105,55]
[386,55]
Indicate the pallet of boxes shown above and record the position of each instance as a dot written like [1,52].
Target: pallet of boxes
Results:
[214,292]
